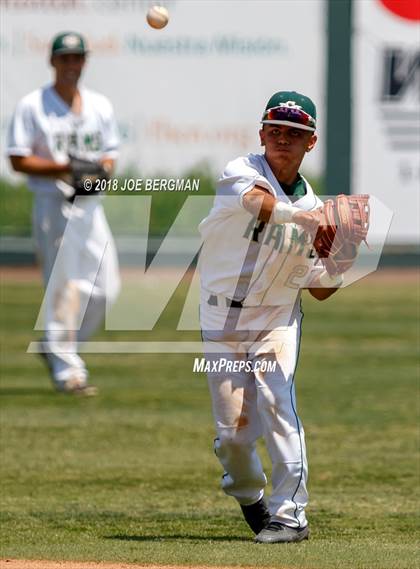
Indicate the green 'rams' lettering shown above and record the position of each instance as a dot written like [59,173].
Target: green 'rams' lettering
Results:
[275,233]
[78,143]
[284,238]
[298,241]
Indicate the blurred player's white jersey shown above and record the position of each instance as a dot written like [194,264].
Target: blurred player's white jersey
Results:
[43,124]
[264,264]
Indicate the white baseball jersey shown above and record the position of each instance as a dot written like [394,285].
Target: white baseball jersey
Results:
[44,125]
[249,260]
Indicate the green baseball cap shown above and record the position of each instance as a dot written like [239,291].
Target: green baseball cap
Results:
[292,109]
[68,42]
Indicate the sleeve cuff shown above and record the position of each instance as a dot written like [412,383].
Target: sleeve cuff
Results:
[257,181]
[18,151]
[112,154]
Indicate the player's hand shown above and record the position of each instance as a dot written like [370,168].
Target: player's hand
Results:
[308,220]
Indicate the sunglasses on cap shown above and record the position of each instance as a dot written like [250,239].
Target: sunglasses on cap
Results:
[291,116]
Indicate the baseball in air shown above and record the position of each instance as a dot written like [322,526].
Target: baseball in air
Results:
[157,17]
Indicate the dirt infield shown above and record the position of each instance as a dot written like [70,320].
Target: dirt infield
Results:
[40,564]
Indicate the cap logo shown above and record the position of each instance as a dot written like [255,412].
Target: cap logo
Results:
[290,104]
[71,41]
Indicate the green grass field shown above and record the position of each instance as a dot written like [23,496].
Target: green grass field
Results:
[131,476]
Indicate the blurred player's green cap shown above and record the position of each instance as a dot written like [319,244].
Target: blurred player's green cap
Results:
[68,42]
[292,109]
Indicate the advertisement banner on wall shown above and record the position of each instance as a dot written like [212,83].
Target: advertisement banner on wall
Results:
[191,92]
[386,110]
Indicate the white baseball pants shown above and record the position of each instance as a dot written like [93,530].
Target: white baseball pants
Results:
[250,404]
[80,269]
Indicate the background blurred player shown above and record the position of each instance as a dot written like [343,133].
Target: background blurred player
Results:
[49,125]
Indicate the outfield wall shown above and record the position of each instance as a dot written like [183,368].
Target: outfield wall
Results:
[386,110]
[192,92]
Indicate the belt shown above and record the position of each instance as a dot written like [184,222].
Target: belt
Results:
[214,299]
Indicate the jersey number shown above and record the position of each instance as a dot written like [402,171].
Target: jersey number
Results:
[298,271]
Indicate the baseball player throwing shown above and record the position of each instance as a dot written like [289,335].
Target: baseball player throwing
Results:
[49,126]
[256,259]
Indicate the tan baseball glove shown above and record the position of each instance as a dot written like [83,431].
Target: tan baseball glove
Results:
[343,225]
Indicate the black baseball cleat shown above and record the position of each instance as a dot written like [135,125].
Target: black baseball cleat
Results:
[276,532]
[256,515]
